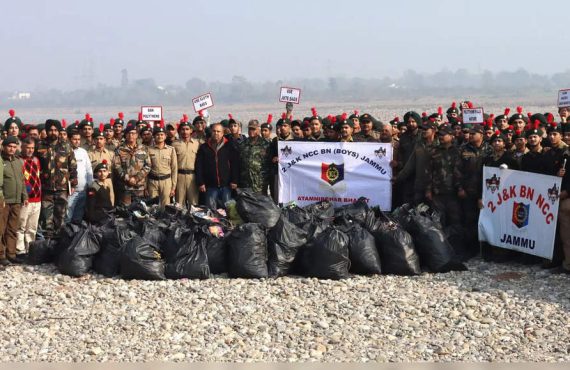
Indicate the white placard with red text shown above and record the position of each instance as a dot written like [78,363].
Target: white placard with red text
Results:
[564,98]
[520,210]
[341,173]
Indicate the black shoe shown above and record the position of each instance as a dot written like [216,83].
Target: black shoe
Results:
[4,262]
[19,259]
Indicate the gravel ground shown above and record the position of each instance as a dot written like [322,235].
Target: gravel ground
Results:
[490,313]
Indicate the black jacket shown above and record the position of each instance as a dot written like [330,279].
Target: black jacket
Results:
[217,169]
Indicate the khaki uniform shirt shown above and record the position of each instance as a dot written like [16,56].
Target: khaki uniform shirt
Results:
[97,156]
[163,161]
[186,153]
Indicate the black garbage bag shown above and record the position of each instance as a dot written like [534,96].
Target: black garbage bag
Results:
[364,256]
[356,211]
[141,260]
[315,227]
[257,208]
[177,237]
[323,210]
[396,248]
[77,258]
[115,236]
[66,235]
[154,232]
[435,252]
[248,251]
[217,251]
[296,215]
[191,261]
[326,257]
[283,243]
[42,251]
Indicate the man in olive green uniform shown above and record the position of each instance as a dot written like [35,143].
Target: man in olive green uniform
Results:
[186,149]
[255,160]
[131,164]
[59,178]
[163,168]
[367,133]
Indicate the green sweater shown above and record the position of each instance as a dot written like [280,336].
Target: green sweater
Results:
[12,185]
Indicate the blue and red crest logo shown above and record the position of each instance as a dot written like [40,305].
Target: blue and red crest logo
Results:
[521,213]
[332,173]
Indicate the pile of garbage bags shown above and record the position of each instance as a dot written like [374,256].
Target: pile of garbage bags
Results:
[252,238]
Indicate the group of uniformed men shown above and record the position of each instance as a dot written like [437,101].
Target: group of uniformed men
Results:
[72,172]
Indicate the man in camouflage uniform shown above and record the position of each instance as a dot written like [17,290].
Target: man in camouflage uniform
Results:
[131,165]
[255,160]
[58,176]
[163,168]
[443,178]
[367,133]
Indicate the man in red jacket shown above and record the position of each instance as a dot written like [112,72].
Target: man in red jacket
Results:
[217,168]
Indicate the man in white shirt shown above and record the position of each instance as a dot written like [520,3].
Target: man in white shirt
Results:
[76,202]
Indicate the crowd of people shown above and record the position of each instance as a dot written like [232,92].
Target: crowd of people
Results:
[54,173]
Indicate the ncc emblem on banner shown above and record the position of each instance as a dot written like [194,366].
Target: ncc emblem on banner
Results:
[520,214]
[332,173]
[493,183]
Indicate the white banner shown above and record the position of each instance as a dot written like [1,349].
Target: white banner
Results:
[338,172]
[520,210]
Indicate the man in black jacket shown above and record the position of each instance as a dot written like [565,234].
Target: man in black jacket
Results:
[217,168]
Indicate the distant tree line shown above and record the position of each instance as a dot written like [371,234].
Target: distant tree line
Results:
[409,85]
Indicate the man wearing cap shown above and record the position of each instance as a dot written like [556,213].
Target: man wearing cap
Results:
[110,142]
[533,161]
[255,160]
[284,135]
[367,133]
[99,195]
[118,127]
[355,118]
[59,178]
[296,130]
[412,175]
[266,129]
[345,131]
[146,136]
[13,195]
[199,129]
[330,131]
[235,136]
[186,148]
[170,133]
[131,164]
[163,173]
[76,202]
[452,111]
[411,136]
[86,127]
[553,158]
[472,154]
[217,168]
[443,178]
[519,145]
[316,125]
[100,153]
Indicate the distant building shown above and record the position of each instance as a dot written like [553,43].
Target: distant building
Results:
[21,96]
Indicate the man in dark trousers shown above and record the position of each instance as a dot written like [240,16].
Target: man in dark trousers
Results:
[217,168]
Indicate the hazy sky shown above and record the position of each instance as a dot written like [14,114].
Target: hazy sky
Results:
[72,43]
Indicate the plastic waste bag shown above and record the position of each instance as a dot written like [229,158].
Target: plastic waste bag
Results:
[115,236]
[191,261]
[257,208]
[141,260]
[42,251]
[364,256]
[77,258]
[248,251]
[326,257]
[356,211]
[323,210]
[283,243]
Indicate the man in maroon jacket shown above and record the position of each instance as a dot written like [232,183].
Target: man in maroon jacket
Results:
[217,168]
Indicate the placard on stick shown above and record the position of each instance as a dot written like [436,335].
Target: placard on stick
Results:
[473,116]
[203,102]
[151,113]
[564,98]
[290,95]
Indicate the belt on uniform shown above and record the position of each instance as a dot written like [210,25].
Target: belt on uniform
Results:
[186,172]
[158,178]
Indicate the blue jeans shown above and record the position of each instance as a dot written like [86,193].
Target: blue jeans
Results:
[217,197]
[76,207]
